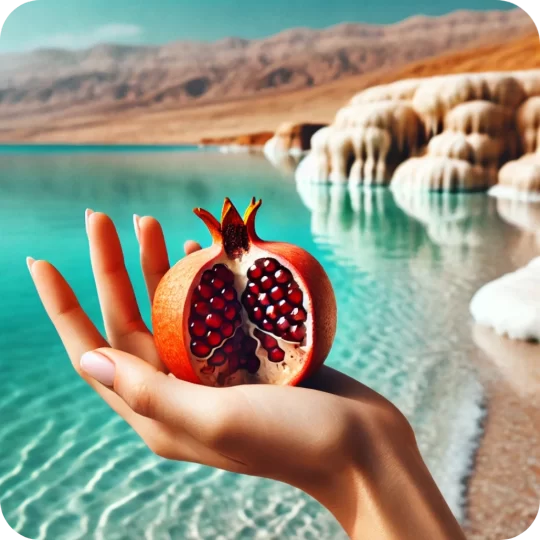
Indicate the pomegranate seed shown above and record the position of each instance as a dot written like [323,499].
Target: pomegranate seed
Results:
[243,361]
[230,313]
[213,339]
[268,342]
[253,288]
[218,284]
[228,348]
[276,294]
[272,313]
[270,265]
[223,273]
[267,325]
[202,308]
[250,345]
[208,370]
[234,362]
[284,307]
[217,303]
[253,364]
[237,323]
[266,283]
[217,359]
[295,296]
[257,314]
[227,329]
[298,315]
[276,355]
[255,272]
[207,276]
[283,324]
[197,328]
[205,291]
[229,294]
[250,300]
[264,299]
[283,275]
[297,333]
[213,320]
[200,349]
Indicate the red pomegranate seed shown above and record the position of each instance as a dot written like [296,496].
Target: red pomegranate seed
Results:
[283,324]
[218,284]
[267,325]
[255,272]
[257,314]
[223,273]
[267,283]
[230,313]
[283,275]
[253,288]
[234,360]
[276,355]
[202,308]
[264,299]
[227,329]
[270,265]
[243,361]
[229,294]
[217,359]
[284,307]
[197,328]
[250,300]
[205,291]
[213,339]
[213,320]
[276,294]
[228,348]
[298,333]
[298,315]
[237,323]
[253,364]
[207,276]
[295,296]
[217,303]
[200,349]
[268,342]
[272,313]
[208,370]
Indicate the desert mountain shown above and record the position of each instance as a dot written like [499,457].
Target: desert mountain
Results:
[188,73]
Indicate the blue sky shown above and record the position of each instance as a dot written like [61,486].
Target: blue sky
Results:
[82,23]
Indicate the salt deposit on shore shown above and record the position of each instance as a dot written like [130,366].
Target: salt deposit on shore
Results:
[445,133]
[511,304]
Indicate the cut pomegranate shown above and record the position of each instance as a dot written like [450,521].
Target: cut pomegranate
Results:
[244,310]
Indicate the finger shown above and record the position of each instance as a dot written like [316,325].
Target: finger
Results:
[191,247]
[76,330]
[151,393]
[154,257]
[122,318]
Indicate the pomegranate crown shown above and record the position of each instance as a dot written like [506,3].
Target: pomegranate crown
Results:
[235,233]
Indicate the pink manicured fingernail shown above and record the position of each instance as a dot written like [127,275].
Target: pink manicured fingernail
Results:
[99,367]
[29,263]
[136,219]
[87,215]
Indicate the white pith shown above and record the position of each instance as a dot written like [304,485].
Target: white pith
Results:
[269,372]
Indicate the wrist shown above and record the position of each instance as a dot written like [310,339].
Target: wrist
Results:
[385,491]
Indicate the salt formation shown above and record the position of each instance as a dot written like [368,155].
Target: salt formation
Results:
[458,130]
[520,179]
[290,139]
[511,304]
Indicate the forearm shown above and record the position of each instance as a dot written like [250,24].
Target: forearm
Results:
[391,495]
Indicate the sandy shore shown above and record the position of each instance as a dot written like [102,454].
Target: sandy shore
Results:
[504,491]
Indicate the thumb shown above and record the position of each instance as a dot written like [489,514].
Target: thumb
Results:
[151,393]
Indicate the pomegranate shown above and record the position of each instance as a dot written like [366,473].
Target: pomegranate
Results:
[244,310]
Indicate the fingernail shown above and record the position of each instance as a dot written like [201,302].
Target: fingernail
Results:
[99,367]
[29,263]
[88,212]
[136,219]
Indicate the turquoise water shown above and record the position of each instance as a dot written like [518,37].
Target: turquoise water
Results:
[403,270]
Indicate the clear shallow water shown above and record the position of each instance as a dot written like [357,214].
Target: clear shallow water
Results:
[403,273]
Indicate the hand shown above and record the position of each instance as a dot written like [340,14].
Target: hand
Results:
[334,438]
